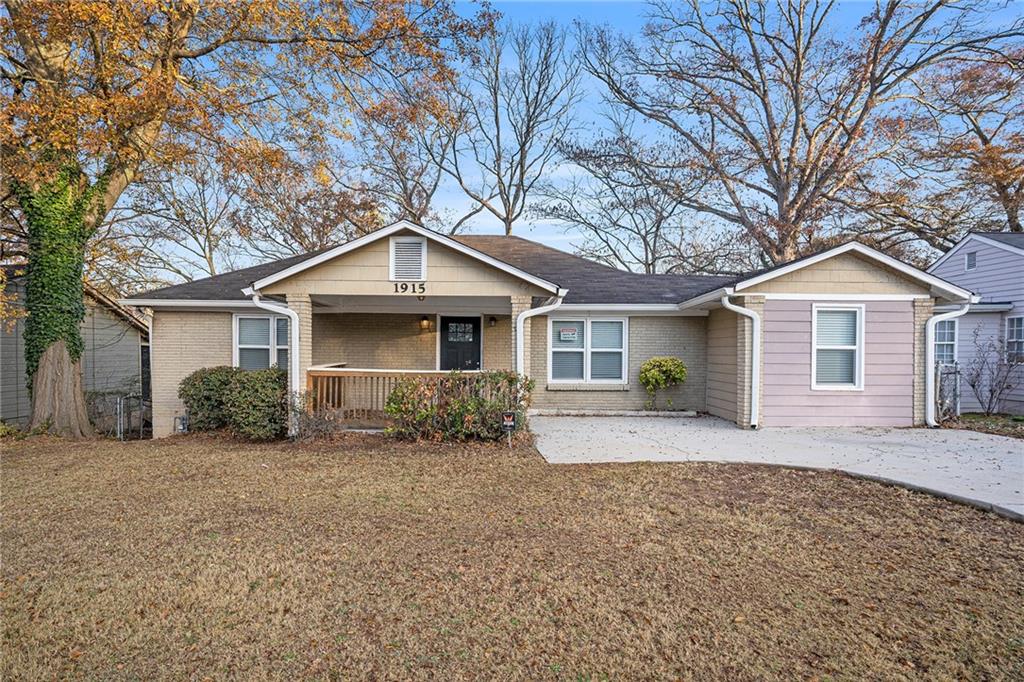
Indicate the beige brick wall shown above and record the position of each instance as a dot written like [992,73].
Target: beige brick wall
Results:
[183,342]
[683,337]
[722,363]
[303,307]
[395,341]
[923,309]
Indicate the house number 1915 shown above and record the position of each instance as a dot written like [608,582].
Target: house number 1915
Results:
[410,288]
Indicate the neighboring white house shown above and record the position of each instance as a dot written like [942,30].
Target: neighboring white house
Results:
[990,264]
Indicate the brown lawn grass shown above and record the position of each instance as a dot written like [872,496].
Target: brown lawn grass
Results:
[197,557]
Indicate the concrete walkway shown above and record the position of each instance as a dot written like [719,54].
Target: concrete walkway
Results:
[983,470]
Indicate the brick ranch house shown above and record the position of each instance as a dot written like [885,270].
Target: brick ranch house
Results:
[843,337]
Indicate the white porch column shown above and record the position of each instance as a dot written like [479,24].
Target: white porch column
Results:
[521,304]
[303,307]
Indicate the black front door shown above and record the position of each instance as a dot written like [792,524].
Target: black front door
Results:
[460,343]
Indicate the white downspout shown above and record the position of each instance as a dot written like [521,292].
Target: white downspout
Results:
[293,345]
[755,357]
[521,325]
[929,361]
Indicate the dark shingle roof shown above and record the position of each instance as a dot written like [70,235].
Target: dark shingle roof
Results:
[587,281]
[225,287]
[1009,238]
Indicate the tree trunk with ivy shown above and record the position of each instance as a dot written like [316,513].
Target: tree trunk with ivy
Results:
[56,217]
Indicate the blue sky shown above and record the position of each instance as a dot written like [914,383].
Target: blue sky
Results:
[627,17]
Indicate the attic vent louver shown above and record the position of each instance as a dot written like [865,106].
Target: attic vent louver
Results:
[408,259]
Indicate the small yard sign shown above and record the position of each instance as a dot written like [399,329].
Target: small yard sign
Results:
[568,334]
[508,421]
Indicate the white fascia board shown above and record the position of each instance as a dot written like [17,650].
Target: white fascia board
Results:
[974,238]
[978,308]
[398,227]
[184,303]
[714,296]
[945,288]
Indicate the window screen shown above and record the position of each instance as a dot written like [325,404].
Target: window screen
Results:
[606,350]
[568,343]
[945,342]
[1015,339]
[836,347]
[262,342]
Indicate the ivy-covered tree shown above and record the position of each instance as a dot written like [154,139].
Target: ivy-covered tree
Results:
[93,90]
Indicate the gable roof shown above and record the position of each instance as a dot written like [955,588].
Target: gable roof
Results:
[1007,241]
[16,271]
[748,280]
[587,282]
[404,226]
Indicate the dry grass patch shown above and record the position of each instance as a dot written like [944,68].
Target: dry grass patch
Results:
[193,557]
[997,424]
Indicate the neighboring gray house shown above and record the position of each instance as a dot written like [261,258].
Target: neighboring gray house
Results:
[990,264]
[116,348]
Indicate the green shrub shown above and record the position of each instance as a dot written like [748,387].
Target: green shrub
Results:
[256,404]
[660,373]
[457,406]
[203,393]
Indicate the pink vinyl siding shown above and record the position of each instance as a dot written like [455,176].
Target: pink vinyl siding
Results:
[887,398]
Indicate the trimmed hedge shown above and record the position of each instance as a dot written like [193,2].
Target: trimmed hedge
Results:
[203,393]
[252,404]
[457,406]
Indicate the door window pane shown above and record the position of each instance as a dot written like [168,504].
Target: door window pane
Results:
[460,332]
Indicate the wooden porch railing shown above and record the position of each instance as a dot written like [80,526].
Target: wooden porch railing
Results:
[355,393]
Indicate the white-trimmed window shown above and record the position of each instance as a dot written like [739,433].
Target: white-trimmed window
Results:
[407,260]
[261,341]
[945,342]
[837,359]
[1015,339]
[970,260]
[588,350]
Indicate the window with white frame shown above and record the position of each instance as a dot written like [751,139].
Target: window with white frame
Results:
[838,355]
[585,350]
[1015,339]
[945,342]
[970,260]
[261,341]
[408,259]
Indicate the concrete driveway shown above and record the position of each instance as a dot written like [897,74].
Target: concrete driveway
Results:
[984,470]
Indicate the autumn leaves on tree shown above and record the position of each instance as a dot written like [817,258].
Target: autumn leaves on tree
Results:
[96,92]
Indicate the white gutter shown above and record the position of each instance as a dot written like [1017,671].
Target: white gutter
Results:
[755,357]
[521,325]
[929,360]
[293,345]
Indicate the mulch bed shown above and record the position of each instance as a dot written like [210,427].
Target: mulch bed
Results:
[201,557]
[997,424]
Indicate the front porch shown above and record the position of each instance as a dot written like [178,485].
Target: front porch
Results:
[354,350]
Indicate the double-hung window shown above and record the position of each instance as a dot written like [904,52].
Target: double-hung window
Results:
[970,260]
[945,342]
[587,350]
[1015,339]
[261,341]
[837,359]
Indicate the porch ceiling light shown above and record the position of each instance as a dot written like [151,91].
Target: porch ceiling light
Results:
[424,323]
